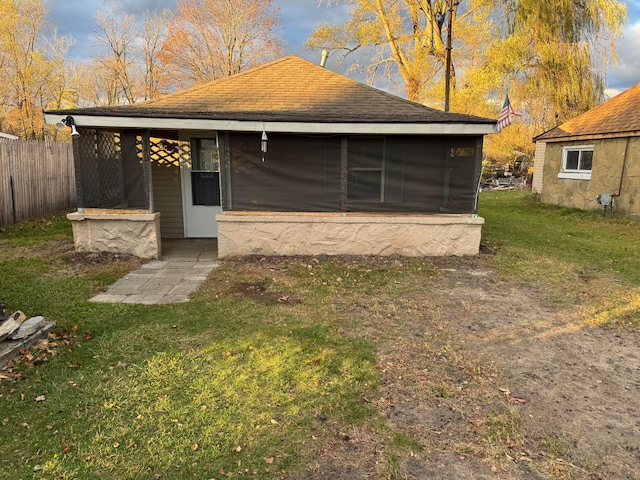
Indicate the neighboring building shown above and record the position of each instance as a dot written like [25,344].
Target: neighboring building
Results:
[288,158]
[8,136]
[595,153]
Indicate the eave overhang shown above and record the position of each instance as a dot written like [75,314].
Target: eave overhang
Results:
[161,123]
[586,137]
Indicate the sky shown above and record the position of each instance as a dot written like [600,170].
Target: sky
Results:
[74,18]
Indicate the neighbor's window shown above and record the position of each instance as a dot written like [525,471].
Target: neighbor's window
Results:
[365,170]
[576,162]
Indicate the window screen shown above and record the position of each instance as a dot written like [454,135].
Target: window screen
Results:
[395,173]
[365,169]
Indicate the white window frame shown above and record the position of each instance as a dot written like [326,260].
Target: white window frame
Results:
[575,174]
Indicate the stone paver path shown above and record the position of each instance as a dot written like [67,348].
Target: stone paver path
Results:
[184,266]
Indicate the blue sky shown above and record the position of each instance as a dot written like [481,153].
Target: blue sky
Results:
[300,17]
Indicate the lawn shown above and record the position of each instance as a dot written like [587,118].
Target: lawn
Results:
[270,363]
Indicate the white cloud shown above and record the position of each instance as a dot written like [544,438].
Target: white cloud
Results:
[627,73]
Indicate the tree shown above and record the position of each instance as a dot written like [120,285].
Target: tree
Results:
[32,68]
[404,37]
[116,58]
[210,39]
[544,50]
[561,51]
[153,36]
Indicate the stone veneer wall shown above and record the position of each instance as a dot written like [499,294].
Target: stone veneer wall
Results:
[608,160]
[133,233]
[351,234]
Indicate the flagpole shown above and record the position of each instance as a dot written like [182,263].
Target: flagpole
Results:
[447,84]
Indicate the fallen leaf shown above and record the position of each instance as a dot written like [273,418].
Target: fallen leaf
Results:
[40,398]
[274,422]
[88,335]
[74,328]
[67,448]
[238,448]
[269,460]
[194,447]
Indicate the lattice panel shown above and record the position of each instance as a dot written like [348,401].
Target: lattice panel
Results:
[170,153]
[99,167]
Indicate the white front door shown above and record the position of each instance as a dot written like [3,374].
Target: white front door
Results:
[201,189]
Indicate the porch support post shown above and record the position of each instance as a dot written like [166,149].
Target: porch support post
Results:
[146,162]
[478,159]
[77,161]
[344,173]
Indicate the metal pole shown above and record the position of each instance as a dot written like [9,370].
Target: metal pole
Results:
[447,85]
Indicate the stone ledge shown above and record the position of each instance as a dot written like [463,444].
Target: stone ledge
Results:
[317,234]
[293,217]
[128,233]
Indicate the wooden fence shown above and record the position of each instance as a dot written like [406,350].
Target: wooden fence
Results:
[36,179]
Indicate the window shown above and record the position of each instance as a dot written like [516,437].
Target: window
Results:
[577,162]
[365,177]
[205,176]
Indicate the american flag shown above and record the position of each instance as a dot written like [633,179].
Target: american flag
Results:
[504,120]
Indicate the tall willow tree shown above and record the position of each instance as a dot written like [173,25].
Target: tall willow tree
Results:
[560,52]
[551,53]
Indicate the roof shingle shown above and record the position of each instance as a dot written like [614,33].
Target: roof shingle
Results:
[619,115]
[290,89]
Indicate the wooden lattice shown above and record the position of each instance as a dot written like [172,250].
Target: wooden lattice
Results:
[100,167]
[169,153]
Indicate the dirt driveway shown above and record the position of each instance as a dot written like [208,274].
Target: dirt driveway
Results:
[492,381]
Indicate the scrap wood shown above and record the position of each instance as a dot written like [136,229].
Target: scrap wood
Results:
[11,324]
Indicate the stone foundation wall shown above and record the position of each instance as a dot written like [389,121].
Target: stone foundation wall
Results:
[132,233]
[318,234]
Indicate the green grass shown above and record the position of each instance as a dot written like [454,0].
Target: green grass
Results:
[576,256]
[254,382]
[215,387]
[536,239]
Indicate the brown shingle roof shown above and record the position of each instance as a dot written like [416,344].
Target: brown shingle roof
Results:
[617,116]
[290,89]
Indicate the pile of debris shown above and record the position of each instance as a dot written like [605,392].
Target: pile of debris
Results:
[506,183]
[17,333]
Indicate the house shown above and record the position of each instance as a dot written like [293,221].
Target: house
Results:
[288,158]
[594,154]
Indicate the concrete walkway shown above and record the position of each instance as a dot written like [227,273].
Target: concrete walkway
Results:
[184,266]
